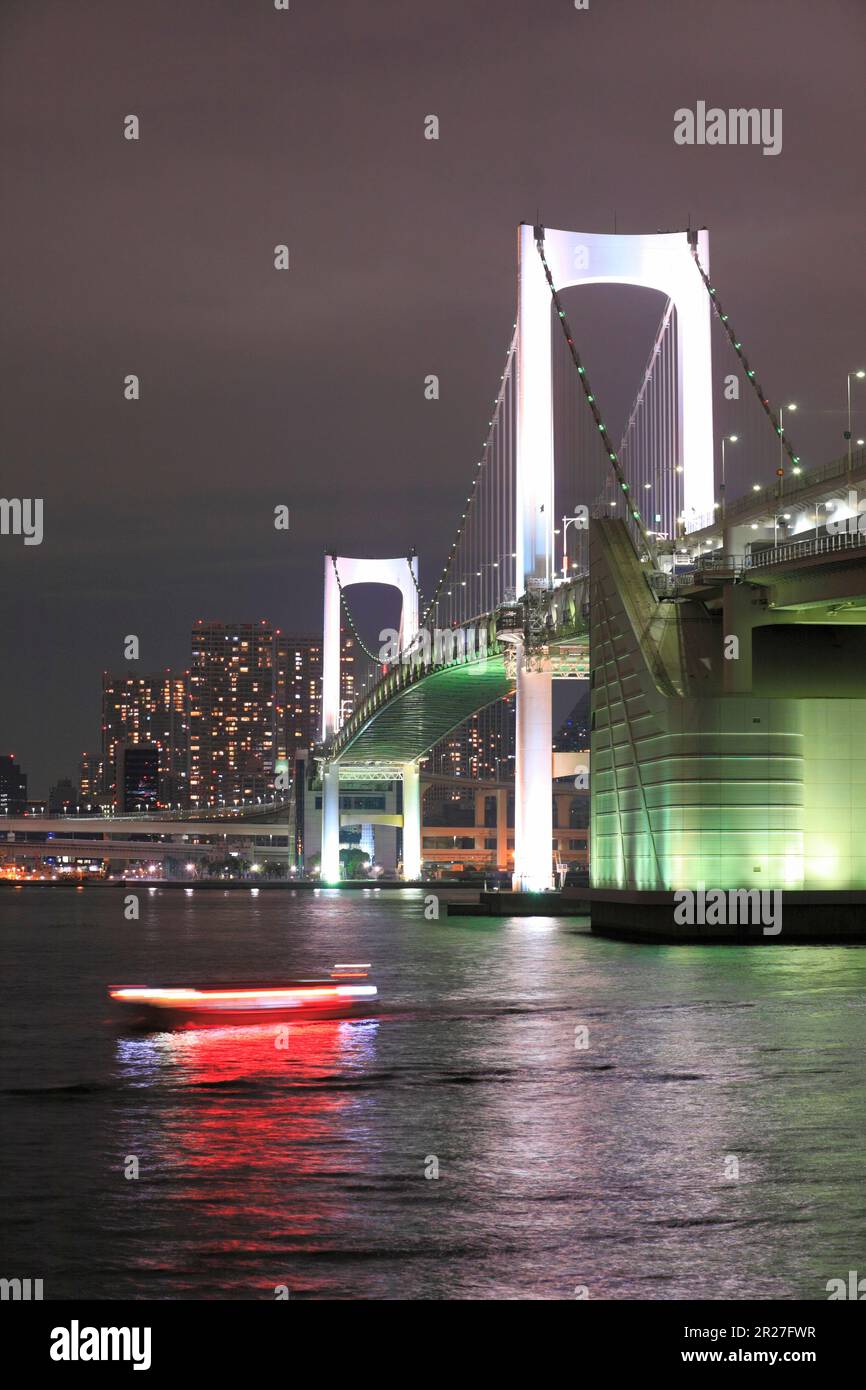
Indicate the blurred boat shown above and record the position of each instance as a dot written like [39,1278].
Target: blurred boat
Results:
[245,1003]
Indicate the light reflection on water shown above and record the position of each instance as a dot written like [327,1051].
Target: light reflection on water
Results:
[559,1165]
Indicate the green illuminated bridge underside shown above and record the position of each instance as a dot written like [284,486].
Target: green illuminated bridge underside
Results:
[411,708]
[409,721]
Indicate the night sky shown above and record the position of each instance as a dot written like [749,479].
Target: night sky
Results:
[261,127]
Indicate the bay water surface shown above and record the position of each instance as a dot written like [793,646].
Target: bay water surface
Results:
[635,1122]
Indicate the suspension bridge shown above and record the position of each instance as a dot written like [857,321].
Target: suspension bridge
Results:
[624,563]
[723,636]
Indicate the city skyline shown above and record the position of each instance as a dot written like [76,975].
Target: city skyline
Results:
[141,707]
[164,505]
[151,708]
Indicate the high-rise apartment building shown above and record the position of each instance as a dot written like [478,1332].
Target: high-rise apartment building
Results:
[348,676]
[299,690]
[13,787]
[137,777]
[298,694]
[151,710]
[482,747]
[63,797]
[90,780]
[232,714]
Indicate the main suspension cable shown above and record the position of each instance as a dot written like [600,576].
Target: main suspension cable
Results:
[350,620]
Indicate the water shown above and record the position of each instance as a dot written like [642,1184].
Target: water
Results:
[559,1168]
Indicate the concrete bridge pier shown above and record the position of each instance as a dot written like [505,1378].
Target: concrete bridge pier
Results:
[502,829]
[501,798]
[411,822]
[533,772]
[330,857]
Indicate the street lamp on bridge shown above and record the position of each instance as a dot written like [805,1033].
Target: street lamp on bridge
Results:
[726,439]
[781,468]
[860,375]
[566,522]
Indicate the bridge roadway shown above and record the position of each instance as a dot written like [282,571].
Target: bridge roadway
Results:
[97,828]
[143,836]
[793,509]
[417,703]
[419,700]
[117,850]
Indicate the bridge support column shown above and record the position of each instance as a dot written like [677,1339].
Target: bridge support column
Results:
[411,822]
[330,856]
[533,791]
[735,539]
[501,828]
[534,470]
[742,609]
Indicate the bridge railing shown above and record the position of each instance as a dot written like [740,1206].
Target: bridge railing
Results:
[554,610]
[420,661]
[666,585]
[669,585]
[796,550]
[204,813]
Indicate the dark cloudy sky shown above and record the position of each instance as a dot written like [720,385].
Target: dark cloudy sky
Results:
[260,127]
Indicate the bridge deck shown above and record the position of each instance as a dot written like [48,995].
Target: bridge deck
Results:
[409,723]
